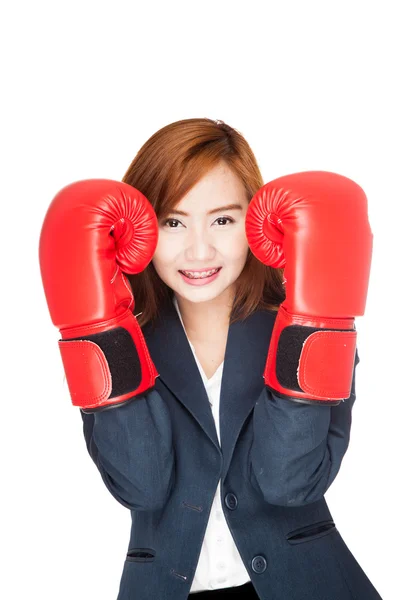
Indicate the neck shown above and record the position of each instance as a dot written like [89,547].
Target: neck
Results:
[206,322]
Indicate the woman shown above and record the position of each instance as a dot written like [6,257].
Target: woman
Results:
[225,480]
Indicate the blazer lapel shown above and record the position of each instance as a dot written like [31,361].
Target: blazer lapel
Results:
[242,376]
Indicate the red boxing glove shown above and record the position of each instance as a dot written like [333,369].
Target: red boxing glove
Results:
[93,230]
[315,224]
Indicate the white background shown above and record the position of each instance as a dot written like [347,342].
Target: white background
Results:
[311,85]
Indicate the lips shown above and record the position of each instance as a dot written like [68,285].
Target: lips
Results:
[200,274]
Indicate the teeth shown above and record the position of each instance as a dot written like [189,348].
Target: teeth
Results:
[195,275]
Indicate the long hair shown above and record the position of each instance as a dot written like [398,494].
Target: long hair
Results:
[165,168]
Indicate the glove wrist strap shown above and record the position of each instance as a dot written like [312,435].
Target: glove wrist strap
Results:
[311,359]
[107,363]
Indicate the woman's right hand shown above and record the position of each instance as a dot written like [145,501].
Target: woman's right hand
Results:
[93,230]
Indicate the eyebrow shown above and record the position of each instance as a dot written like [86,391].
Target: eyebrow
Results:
[210,212]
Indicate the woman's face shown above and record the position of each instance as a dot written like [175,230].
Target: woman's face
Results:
[205,231]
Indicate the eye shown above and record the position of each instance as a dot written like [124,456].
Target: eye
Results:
[225,219]
[166,221]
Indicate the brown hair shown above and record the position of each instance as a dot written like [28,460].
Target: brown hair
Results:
[166,167]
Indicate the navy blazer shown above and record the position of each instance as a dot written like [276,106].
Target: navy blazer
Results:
[159,456]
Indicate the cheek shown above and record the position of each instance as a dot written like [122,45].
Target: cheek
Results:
[164,252]
[236,247]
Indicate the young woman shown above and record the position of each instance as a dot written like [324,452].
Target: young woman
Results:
[225,479]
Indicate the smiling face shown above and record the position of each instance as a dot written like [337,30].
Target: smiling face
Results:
[205,231]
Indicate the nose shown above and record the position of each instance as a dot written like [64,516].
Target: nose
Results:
[200,246]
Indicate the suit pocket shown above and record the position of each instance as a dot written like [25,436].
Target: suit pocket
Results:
[140,555]
[311,532]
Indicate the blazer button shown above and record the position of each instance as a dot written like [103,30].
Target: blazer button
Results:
[231,501]
[259,564]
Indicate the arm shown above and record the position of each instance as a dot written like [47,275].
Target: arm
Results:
[298,448]
[132,448]
[93,232]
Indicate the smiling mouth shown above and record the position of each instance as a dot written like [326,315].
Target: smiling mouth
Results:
[200,274]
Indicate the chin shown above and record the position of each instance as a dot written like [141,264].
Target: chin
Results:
[198,295]
[199,298]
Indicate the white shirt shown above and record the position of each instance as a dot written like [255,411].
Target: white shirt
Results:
[220,564]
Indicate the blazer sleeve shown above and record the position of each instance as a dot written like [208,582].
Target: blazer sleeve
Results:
[298,448]
[131,446]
